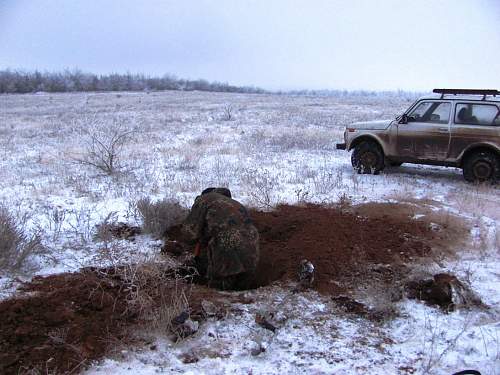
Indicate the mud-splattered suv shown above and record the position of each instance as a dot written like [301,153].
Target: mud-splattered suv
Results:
[455,128]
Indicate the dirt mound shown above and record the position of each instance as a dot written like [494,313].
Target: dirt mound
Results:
[61,323]
[347,245]
[339,243]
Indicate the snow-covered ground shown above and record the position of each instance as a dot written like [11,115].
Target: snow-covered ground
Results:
[274,149]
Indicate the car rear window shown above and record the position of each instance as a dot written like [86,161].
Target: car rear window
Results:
[477,114]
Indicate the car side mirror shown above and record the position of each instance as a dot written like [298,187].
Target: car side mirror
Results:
[404,119]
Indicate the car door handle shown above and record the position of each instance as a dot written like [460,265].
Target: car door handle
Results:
[443,130]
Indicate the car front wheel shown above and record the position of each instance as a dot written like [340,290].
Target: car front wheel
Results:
[367,158]
[482,166]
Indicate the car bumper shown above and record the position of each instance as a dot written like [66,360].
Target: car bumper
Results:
[341,146]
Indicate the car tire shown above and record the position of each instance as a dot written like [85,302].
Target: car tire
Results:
[367,158]
[482,166]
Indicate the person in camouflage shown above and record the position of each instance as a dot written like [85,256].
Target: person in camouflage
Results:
[225,240]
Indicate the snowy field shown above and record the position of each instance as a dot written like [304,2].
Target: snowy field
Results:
[267,149]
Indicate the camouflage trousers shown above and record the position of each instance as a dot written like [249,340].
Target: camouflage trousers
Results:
[228,260]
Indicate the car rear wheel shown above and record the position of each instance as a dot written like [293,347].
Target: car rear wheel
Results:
[482,166]
[367,158]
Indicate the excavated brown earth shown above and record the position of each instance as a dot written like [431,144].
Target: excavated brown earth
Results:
[63,322]
[341,244]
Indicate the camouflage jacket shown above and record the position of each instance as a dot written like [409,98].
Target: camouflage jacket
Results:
[229,240]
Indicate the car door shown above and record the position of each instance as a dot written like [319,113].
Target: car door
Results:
[426,134]
[475,123]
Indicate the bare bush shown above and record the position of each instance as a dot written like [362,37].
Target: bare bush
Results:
[221,171]
[81,224]
[16,246]
[328,180]
[261,185]
[55,217]
[104,229]
[160,215]
[188,161]
[104,144]
[438,339]
[302,196]
[228,112]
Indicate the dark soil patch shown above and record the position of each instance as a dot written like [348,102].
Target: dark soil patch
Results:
[340,244]
[348,246]
[61,323]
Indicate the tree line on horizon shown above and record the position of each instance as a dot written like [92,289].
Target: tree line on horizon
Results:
[24,82]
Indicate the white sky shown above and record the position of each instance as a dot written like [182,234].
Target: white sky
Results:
[275,44]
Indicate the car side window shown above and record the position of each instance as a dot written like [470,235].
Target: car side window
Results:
[477,114]
[433,112]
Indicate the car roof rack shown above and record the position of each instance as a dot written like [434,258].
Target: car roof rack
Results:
[482,92]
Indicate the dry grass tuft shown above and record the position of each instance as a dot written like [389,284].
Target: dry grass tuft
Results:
[16,246]
[160,215]
[158,291]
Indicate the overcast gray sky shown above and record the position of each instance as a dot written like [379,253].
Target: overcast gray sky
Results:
[275,44]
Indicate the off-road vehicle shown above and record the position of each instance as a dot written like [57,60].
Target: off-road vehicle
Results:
[452,127]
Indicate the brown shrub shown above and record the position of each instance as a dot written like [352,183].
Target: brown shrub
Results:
[160,215]
[16,246]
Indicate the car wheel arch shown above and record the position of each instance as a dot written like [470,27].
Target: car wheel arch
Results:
[475,149]
[366,138]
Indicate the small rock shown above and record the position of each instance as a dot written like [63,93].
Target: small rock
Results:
[189,357]
[209,308]
[262,321]
[192,325]
[257,350]
[181,318]
[182,326]
[186,329]
[306,274]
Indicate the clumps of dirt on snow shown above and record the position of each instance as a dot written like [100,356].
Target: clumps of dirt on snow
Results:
[124,231]
[443,290]
[351,306]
